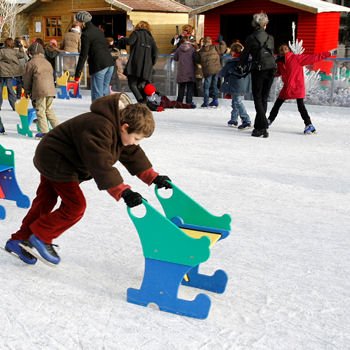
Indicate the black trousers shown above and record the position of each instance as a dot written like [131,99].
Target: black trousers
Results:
[136,86]
[261,86]
[301,108]
[189,88]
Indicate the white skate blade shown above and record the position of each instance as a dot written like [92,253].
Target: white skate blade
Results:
[35,253]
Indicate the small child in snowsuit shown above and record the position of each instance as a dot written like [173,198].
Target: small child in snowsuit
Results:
[157,102]
[236,84]
[290,68]
[83,148]
[38,83]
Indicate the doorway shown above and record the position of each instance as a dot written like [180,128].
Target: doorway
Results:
[112,25]
[233,27]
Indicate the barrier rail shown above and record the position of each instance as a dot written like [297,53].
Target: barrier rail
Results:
[333,89]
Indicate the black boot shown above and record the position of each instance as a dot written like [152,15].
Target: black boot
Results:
[260,133]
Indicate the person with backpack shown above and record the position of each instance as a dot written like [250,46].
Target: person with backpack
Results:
[260,45]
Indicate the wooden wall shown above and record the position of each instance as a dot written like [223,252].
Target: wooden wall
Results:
[163,24]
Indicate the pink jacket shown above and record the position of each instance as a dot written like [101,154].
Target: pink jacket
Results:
[292,73]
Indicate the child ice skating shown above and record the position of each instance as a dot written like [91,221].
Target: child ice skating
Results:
[236,84]
[290,68]
[39,84]
[83,148]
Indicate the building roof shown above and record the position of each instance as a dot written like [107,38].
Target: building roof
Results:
[133,5]
[313,6]
[153,5]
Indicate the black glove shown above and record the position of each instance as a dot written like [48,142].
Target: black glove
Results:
[162,181]
[131,198]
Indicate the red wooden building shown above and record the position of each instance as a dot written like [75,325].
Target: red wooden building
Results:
[317,22]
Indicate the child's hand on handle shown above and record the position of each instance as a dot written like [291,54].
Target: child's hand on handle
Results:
[131,198]
[162,181]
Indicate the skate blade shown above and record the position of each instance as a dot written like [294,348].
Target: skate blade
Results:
[12,253]
[36,254]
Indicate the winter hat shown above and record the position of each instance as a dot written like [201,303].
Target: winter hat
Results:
[83,16]
[149,89]
[35,49]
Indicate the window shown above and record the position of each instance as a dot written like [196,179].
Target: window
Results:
[53,27]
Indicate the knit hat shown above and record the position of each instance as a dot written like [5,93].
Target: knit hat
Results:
[83,16]
[35,49]
[149,89]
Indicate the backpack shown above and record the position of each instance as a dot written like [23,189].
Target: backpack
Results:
[264,59]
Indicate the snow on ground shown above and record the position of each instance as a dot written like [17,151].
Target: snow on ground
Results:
[287,256]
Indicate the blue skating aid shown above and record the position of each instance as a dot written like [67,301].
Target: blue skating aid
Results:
[2,213]
[197,222]
[61,86]
[26,115]
[169,255]
[8,183]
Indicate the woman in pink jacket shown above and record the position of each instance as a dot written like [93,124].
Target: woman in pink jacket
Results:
[290,68]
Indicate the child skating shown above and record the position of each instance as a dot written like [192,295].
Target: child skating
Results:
[83,148]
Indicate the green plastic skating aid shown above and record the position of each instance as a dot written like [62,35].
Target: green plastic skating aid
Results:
[179,204]
[163,240]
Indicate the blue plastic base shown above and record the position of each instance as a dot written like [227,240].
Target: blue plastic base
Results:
[62,93]
[160,286]
[2,213]
[215,283]
[11,189]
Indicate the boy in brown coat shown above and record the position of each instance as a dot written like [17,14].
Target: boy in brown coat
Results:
[38,82]
[77,150]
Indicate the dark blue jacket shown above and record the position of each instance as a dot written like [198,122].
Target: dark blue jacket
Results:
[234,81]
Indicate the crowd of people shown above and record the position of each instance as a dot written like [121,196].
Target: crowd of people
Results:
[87,146]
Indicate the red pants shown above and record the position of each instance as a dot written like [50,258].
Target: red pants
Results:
[45,223]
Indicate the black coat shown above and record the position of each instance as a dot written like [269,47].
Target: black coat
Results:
[252,46]
[143,54]
[94,48]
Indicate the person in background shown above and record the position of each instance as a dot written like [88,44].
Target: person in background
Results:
[290,68]
[187,31]
[236,84]
[82,148]
[94,49]
[209,58]
[22,63]
[38,83]
[10,67]
[184,56]
[115,52]
[262,72]
[71,40]
[51,52]
[71,43]
[143,56]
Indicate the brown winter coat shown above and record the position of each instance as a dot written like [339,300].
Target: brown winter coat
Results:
[9,62]
[87,146]
[210,59]
[38,77]
[71,42]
